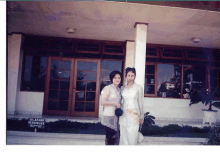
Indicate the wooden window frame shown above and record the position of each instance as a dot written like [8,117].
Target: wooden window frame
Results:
[209,79]
[169,57]
[213,59]
[152,56]
[46,96]
[86,51]
[114,44]
[181,97]
[98,77]
[194,50]
[156,79]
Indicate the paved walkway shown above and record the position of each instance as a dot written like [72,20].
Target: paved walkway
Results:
[40,138]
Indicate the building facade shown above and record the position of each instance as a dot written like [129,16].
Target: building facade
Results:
[52,72]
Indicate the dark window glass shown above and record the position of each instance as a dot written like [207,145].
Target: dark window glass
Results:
[52,105]
[150,69]
[66,65]
[79,106]
[149,79]
[197,54]
[171,53]
[53,94]
[92,66]
[90,106]
[169,80]
[80,96]
[91,86]
[63,105]
[64,95]
[81,65]
[113,49]
[151,51]
[194,78]
[61,45]
[88,47]
[64,85]
[215,81]
[81,75]
[34,72]
[90,96]
[149,89]
[80,85]
[54,74]
[91,76]
[54,84]
[55,64]
[65,75]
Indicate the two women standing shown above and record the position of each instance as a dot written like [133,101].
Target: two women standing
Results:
[130,99]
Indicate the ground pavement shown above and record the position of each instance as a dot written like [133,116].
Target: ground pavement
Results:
[41,138]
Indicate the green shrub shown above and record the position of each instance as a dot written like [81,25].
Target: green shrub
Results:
[171,128]
[152,130]
[214,135]
[66,126]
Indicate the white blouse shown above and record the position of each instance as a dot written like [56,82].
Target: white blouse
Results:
[108,112]
[132,105]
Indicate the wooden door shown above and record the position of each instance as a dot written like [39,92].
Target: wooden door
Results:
[58,88]
[86,87]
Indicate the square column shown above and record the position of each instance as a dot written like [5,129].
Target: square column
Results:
[140,52]
[14,49]
[130,50]
[129,58]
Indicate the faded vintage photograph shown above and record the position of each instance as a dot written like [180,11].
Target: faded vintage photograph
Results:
[113,73]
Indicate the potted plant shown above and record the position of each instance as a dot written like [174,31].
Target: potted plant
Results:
[207,98]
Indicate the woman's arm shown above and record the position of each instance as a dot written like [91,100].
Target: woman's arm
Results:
[105,95]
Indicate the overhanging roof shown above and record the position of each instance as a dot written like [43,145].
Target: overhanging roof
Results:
[114,21]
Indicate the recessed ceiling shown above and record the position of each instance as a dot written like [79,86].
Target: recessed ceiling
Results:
[114,21]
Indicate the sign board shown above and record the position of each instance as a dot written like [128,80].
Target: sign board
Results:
[36,123]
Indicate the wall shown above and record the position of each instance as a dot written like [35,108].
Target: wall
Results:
[14,45]
[163,108]
[30,103]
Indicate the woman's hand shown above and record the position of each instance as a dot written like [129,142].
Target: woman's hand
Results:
[118,105]
[141,121]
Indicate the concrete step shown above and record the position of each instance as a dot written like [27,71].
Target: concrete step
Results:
[40,138]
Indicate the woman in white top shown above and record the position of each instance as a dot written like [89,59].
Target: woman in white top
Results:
[132,106]
[110,100]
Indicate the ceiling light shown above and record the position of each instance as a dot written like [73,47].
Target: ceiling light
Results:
[71,30]
[195,40]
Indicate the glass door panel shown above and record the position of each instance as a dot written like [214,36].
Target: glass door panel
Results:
[86,91]
[59,86]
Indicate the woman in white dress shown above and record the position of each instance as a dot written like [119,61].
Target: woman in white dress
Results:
[110,100]
[132,106]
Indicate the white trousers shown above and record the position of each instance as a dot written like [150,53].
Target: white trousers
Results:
[129,135]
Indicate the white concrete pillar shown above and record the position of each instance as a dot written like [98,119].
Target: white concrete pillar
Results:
[130,50]
[140,53]
[14,49]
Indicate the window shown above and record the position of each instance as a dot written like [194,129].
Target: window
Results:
[172,53]
[215,81]
[150,80]
[197,54]
[112,49]
[152,52]
[194,78]
[88,48]
[34,71]
[169,80]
